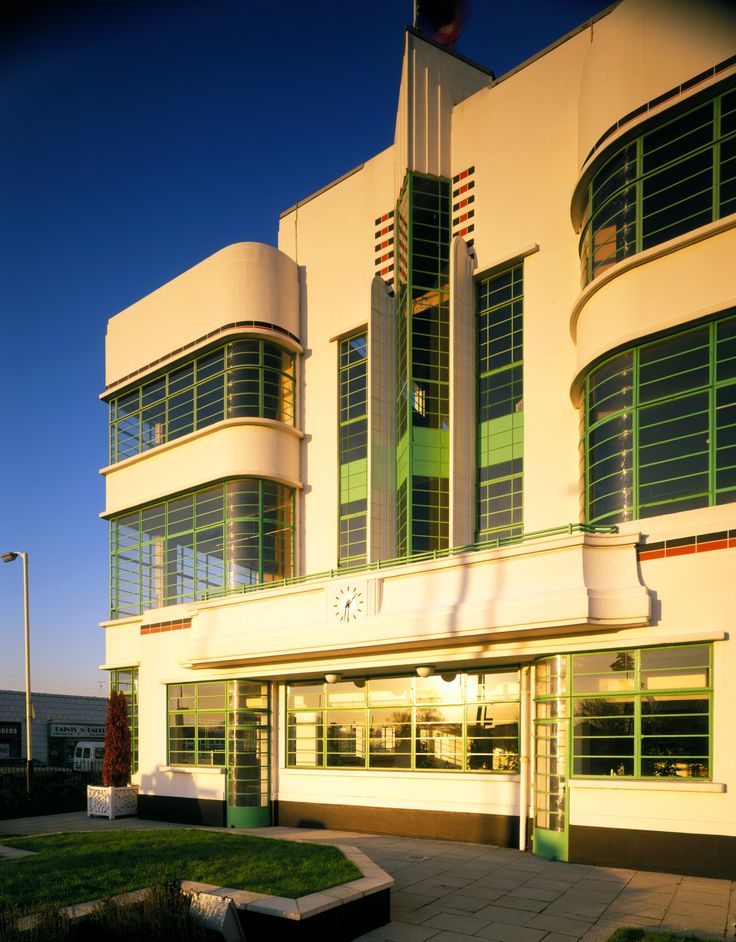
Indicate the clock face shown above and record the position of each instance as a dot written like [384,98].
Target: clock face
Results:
[348,604]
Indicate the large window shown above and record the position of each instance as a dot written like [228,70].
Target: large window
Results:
[500,443]
[201,544]
[633,713]
[243,378]
[423,365]
[125,680]
[642,713]
[223,723]
[446,722]
[353,379]
[668,181]
[660,426]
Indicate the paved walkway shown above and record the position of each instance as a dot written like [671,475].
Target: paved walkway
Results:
[451,892]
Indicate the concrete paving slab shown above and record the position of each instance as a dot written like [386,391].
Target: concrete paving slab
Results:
[509,932]
[469,925]
[395,932]
[522,903]
[567,925]
[497,913]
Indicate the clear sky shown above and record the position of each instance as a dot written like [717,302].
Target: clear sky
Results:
[136,139]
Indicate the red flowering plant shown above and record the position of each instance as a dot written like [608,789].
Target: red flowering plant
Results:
[116,764]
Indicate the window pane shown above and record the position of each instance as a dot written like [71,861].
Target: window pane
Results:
[212,696]
[492,686]
[347,693]
[603,673]
[493,736]
[345,738]
[390,690]
[305,696]
[675,668]
[436,689]
[304,739]
[390,739]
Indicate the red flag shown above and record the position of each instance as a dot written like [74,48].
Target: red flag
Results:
[440,19]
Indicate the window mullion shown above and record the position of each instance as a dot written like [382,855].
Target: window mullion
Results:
[636,412]
[716,158]
[712,415]
[639,197]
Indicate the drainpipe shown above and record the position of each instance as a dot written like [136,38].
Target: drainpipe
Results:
[524,759]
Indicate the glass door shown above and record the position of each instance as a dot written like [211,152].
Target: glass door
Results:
[248,754]
[551,739]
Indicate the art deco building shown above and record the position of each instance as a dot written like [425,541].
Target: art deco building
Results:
[425,522]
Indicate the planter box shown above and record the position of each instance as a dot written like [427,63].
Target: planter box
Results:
[104,801]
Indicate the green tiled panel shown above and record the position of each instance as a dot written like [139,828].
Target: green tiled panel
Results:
[353,480]
[431,452]
[501,439]
[402,458]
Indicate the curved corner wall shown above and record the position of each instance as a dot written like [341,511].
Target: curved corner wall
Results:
[649,46]
[656,290]
[247,281]
[233,448]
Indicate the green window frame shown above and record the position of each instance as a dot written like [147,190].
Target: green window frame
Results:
[201,544]
[636,713]
[226,724]
[423,365]
[125,680]
[466,722]
[196,723]
[500,405]
[243,378]
[353,450]
[659,425]
[676,176]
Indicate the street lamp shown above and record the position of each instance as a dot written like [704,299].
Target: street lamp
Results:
[9,558]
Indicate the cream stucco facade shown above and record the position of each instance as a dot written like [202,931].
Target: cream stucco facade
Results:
[423,522]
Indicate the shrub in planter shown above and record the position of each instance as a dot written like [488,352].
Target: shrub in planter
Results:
[114,798]
[116,764]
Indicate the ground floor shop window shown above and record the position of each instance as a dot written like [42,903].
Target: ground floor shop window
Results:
[446,722]
[633,713]
[225,723]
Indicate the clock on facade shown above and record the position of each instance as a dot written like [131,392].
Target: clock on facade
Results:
[348,603]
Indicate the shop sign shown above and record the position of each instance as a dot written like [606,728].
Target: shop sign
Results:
[72,730]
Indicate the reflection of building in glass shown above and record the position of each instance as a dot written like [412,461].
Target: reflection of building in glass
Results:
[408,516]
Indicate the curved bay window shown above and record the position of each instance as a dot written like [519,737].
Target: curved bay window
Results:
[674,178]
[244,378]
[201,544]
[659,423]
[446,722]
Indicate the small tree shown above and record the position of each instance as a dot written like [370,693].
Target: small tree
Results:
[116,764]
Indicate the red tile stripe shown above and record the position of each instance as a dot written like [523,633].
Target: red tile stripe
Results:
[467,176]
[686,546]
[165,626]
[384,245]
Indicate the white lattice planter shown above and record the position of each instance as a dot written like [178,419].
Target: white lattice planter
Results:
[105,801]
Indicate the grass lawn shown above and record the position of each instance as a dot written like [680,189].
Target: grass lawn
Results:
[73,868]
[650,935]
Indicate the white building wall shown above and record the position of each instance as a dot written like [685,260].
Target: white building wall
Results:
[527,137]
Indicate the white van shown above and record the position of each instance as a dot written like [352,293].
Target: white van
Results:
[88,757]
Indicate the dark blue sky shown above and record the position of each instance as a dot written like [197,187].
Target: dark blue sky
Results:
[137,139]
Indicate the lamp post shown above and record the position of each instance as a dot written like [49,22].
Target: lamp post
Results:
[9,558]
